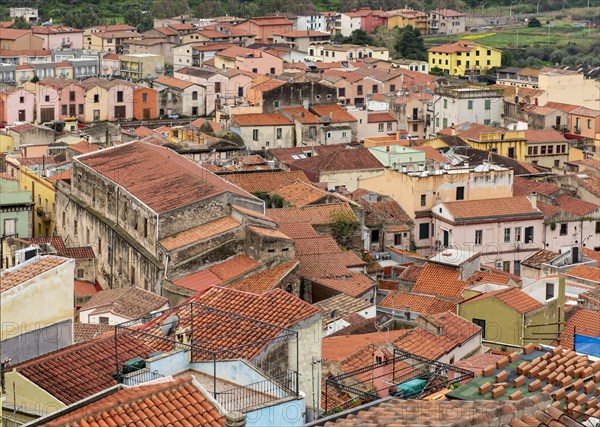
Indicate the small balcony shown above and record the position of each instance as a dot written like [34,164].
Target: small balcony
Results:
[45,215]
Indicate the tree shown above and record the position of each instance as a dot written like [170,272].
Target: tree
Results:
[360,37]
[534,23]
[507,58]
[209,9]
[142,20]
[410,45]
[436,71]
[344,227]
[169,8]
[20,23]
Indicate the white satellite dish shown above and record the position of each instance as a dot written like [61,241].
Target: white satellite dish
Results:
[170,324]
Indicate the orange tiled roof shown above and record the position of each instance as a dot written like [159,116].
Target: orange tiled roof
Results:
[160,178]
[176,402]
[84,288]
[516,206]
[23,272]
[262,119]
[355,285]
[311,214]
[131,302]
[86,368]
[316,245]
[380,118]
[83,332]
[524,187]
[591,254]
[265,182]
[487,277]
[301,194]
[61,176]
[337,113]
[323,265]
[298,231]
[78,252]
[269,232]
[512,297]
[455,332]
[266,280]
[418,303]
[585,272]
[583,322]
[172,82]
[338,348]
[277,307]
[339,160]
[202,232]
[575,205]
[437,279]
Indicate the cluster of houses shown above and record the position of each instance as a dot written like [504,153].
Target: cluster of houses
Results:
[316,234]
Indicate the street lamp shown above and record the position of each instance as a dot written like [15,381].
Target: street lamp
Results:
[537,8]
[510,10]
[482,6]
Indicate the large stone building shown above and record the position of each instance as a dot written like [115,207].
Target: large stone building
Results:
[151,214]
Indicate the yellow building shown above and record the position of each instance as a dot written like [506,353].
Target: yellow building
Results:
[513,317]
[6,143]
[39,300]
[464,58]
[43,194]
[402,18]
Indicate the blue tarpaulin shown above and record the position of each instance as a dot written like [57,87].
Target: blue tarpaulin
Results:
[587,345]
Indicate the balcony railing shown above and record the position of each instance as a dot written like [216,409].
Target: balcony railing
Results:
[45,215]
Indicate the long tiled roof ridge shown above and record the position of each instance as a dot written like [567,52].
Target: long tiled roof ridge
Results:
[133,404]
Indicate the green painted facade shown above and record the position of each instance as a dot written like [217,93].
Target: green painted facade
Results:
[15,205]
[506,325]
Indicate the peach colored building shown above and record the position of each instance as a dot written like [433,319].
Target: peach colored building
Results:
[47,107]
[251,60]
[16,105]
[145,103]
[14,39]
[59,37]
[584,122]
[266,26]
[107,100]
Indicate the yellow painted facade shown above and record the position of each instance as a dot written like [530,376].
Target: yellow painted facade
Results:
[505,143]
[506,325]
[414,19]
[458,62]
[96,104]
[420,194]
[575,154]
[6,143]
[43,193]
[29,397]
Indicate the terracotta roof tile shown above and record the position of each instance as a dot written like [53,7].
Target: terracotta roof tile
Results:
[301,193]
[316,245]
[575,205]
[177,402]
[84,288]
[487,277]
[340,347]
[355,285]
[512,297]
[517,206]
[411,273]
[81,252]
[173,82]
[127,302]
[311,214]
[266,280]
[323,265]
[61,176]
[88,331]
[159,177]
[262,119]
[339,306]
[265,182]
[335,112]
[536,136]
[478,362]
[418,303]
[585,272]
[218,273]
[380,118]
[200,233]
[276,307]
[86,367]
[305,116]
[591,254]
[21,273]
[583,322]
[442,280]
[524,187]
[459,46]
[455,331]
[56,241]
[298,231]
[339,160]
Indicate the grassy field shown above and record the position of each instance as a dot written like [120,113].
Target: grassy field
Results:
[557,33]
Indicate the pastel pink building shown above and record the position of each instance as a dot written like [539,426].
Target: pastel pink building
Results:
[264,27]
[71,98]
[505,230]
[16,105]
[59,37]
